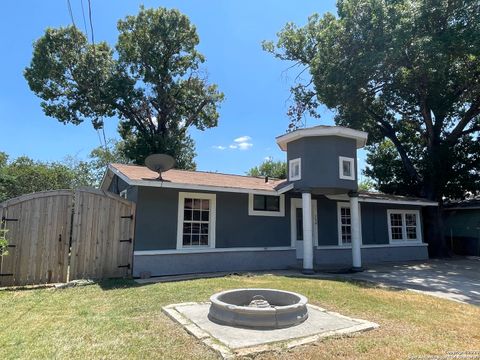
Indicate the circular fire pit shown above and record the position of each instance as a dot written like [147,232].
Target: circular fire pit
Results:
[258,308]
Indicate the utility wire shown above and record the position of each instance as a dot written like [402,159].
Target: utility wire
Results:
[71,13]
[84,21]
[94,60]
[91,23]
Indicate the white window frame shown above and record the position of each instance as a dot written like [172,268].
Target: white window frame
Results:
[124,193]
[339,222]
[404,239]
[341,159]
[252,212]
[291,165]
[211,224]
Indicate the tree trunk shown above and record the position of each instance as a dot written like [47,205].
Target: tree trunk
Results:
[434,231]
[433,224]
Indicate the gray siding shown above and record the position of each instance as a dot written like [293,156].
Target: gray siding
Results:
[157,212]
[320,163]
[375,221]
[327,222]
[235,228]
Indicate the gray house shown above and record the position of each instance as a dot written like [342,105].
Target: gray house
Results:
[193,221]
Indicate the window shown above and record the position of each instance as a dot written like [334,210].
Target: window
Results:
[345,225]
[404,225]
[266,205]
[344,218]
[347,168]
[196,220]
[295,169]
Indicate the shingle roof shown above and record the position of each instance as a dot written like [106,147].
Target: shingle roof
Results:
[472,203]
[135,172]
[240,182]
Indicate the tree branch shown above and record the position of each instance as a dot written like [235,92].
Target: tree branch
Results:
[388,131]
[469,115]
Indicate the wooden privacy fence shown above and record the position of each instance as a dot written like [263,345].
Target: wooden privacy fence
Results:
[62,235]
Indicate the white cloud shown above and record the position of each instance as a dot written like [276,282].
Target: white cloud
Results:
[242,139]
[240,143]
[268,158]
[244,145]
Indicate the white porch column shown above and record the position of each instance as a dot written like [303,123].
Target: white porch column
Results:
[355,219]
[307,233]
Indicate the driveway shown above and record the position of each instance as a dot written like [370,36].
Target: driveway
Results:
[455,279]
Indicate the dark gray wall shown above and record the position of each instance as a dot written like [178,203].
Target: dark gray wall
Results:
[157,212]
[118,185]
[375,221]
[320,163]
[235,228]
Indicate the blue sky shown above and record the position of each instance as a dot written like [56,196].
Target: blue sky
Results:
[256,85]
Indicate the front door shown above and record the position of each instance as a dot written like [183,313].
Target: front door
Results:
[296,217]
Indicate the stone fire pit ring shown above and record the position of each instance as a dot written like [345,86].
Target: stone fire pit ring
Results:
[258,308]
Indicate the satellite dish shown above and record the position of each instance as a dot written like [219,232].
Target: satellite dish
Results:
[159,163]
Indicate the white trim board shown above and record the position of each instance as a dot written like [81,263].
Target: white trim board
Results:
[205,250]
[345,197]
[250,249]
[359,136]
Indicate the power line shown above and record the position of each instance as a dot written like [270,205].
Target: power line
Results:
[91,23]
[71,13]
[84,21]
[94,60]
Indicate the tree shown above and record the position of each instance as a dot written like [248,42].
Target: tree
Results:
[90,172]
[152,81]
[24,175]
[366,185]
[408,72]
[270,168]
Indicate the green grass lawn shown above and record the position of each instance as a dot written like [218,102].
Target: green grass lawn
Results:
[120,320]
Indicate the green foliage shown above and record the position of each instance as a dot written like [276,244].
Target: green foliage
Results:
[3,240]
[366,185]
[152,81]
[90,172]
[24,175]
[408,73]
[270,168]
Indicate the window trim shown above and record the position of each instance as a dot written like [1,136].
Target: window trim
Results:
[404,239]
[291,164]
[124,194]
[211,224]
[252,212]
[341,204]
[341,159]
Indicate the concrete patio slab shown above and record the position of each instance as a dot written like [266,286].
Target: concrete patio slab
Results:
[232,341]
[456,279]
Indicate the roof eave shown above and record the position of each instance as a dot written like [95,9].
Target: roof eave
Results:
[360,136]
[172,185]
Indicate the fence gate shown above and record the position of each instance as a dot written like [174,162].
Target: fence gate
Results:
[102,236]
[38,236]
[57,236]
